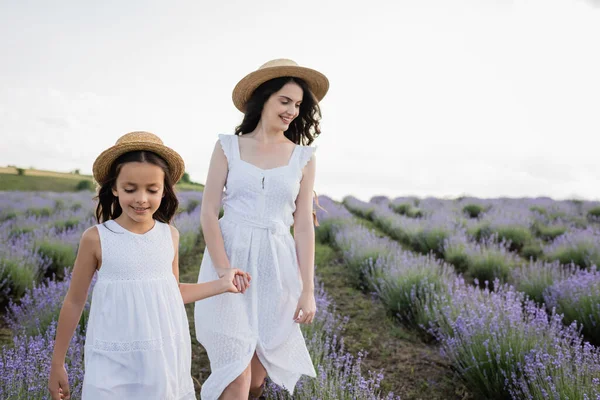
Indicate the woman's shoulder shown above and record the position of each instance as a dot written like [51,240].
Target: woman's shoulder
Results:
[225,137]
[307,153]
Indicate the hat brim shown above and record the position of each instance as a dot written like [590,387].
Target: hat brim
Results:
[102,165]
[317,82]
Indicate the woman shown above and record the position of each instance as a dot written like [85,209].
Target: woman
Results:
[268,171]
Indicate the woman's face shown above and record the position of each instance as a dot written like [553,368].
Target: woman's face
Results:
[282,107]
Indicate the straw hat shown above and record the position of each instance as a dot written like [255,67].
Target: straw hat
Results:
[135,141]
[317,82]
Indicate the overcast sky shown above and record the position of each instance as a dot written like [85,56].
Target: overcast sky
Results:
[430,98]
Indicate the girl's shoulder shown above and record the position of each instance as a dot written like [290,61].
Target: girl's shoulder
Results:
[174,231]
[91,235]
[90,242]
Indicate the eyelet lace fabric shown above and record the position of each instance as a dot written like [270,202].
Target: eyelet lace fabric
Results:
[259,205]
[138,344]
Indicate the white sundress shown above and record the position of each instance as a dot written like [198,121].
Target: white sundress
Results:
[258,213]
[138,344]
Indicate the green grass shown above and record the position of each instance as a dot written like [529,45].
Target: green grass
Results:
[37,183]
[186,187]
[412,369]
[48,181]
[51,181]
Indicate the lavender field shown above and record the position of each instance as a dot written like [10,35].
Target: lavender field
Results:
[506,290]
[39,237]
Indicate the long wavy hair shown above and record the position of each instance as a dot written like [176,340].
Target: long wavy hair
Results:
[303,130]
[108,204]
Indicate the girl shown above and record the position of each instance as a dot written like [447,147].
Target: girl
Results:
[269,176]
[137,338]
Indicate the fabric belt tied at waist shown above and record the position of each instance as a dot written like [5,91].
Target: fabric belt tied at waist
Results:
[274,227]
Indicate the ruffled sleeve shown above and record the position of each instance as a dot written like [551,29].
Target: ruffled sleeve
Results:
[305,155]
[226,141]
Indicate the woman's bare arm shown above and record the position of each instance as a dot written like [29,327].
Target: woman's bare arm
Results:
[304,236]
[209,213]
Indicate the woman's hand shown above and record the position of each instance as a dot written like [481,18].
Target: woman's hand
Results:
[306,309]
[58,383]
[234,280]
[241,281]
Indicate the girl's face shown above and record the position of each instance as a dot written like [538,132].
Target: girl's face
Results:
[282,107]
[139,187]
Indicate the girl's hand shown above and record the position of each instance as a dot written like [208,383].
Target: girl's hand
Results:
[235,280]
[58,383]
[241,283]
[306,309]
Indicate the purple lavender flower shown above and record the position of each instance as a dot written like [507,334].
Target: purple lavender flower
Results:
[579,246]
[486,334]
[340,375]
[577,297]
[25,365]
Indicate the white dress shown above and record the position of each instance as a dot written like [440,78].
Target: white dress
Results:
[138,344]
[258,213]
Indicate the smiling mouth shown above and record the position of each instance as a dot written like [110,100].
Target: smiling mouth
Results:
[287,120]
[141,208]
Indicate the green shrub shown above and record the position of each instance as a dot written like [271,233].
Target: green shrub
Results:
[548,232]
[518,236]
[59,204]
[407,210]
[192,205]
[84,184]
[581,254]
[65,225]
[409,296]
[20,230]
[594,213]
[429,240]
[457,256]
[481,231]
[324,232]
[6,215]
[15,278]
[39,212]
[539,210]
[60,255]
[487,262]
[532,250]
[473,210]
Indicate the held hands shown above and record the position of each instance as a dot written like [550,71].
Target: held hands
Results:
[234,280]
[306,309]
[58,383]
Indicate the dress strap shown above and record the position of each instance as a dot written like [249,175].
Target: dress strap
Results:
[228,144]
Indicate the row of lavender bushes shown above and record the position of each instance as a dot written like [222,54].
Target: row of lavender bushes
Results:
[39,235]
[567,281]
[568,234]
[32,311]
[502,343]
